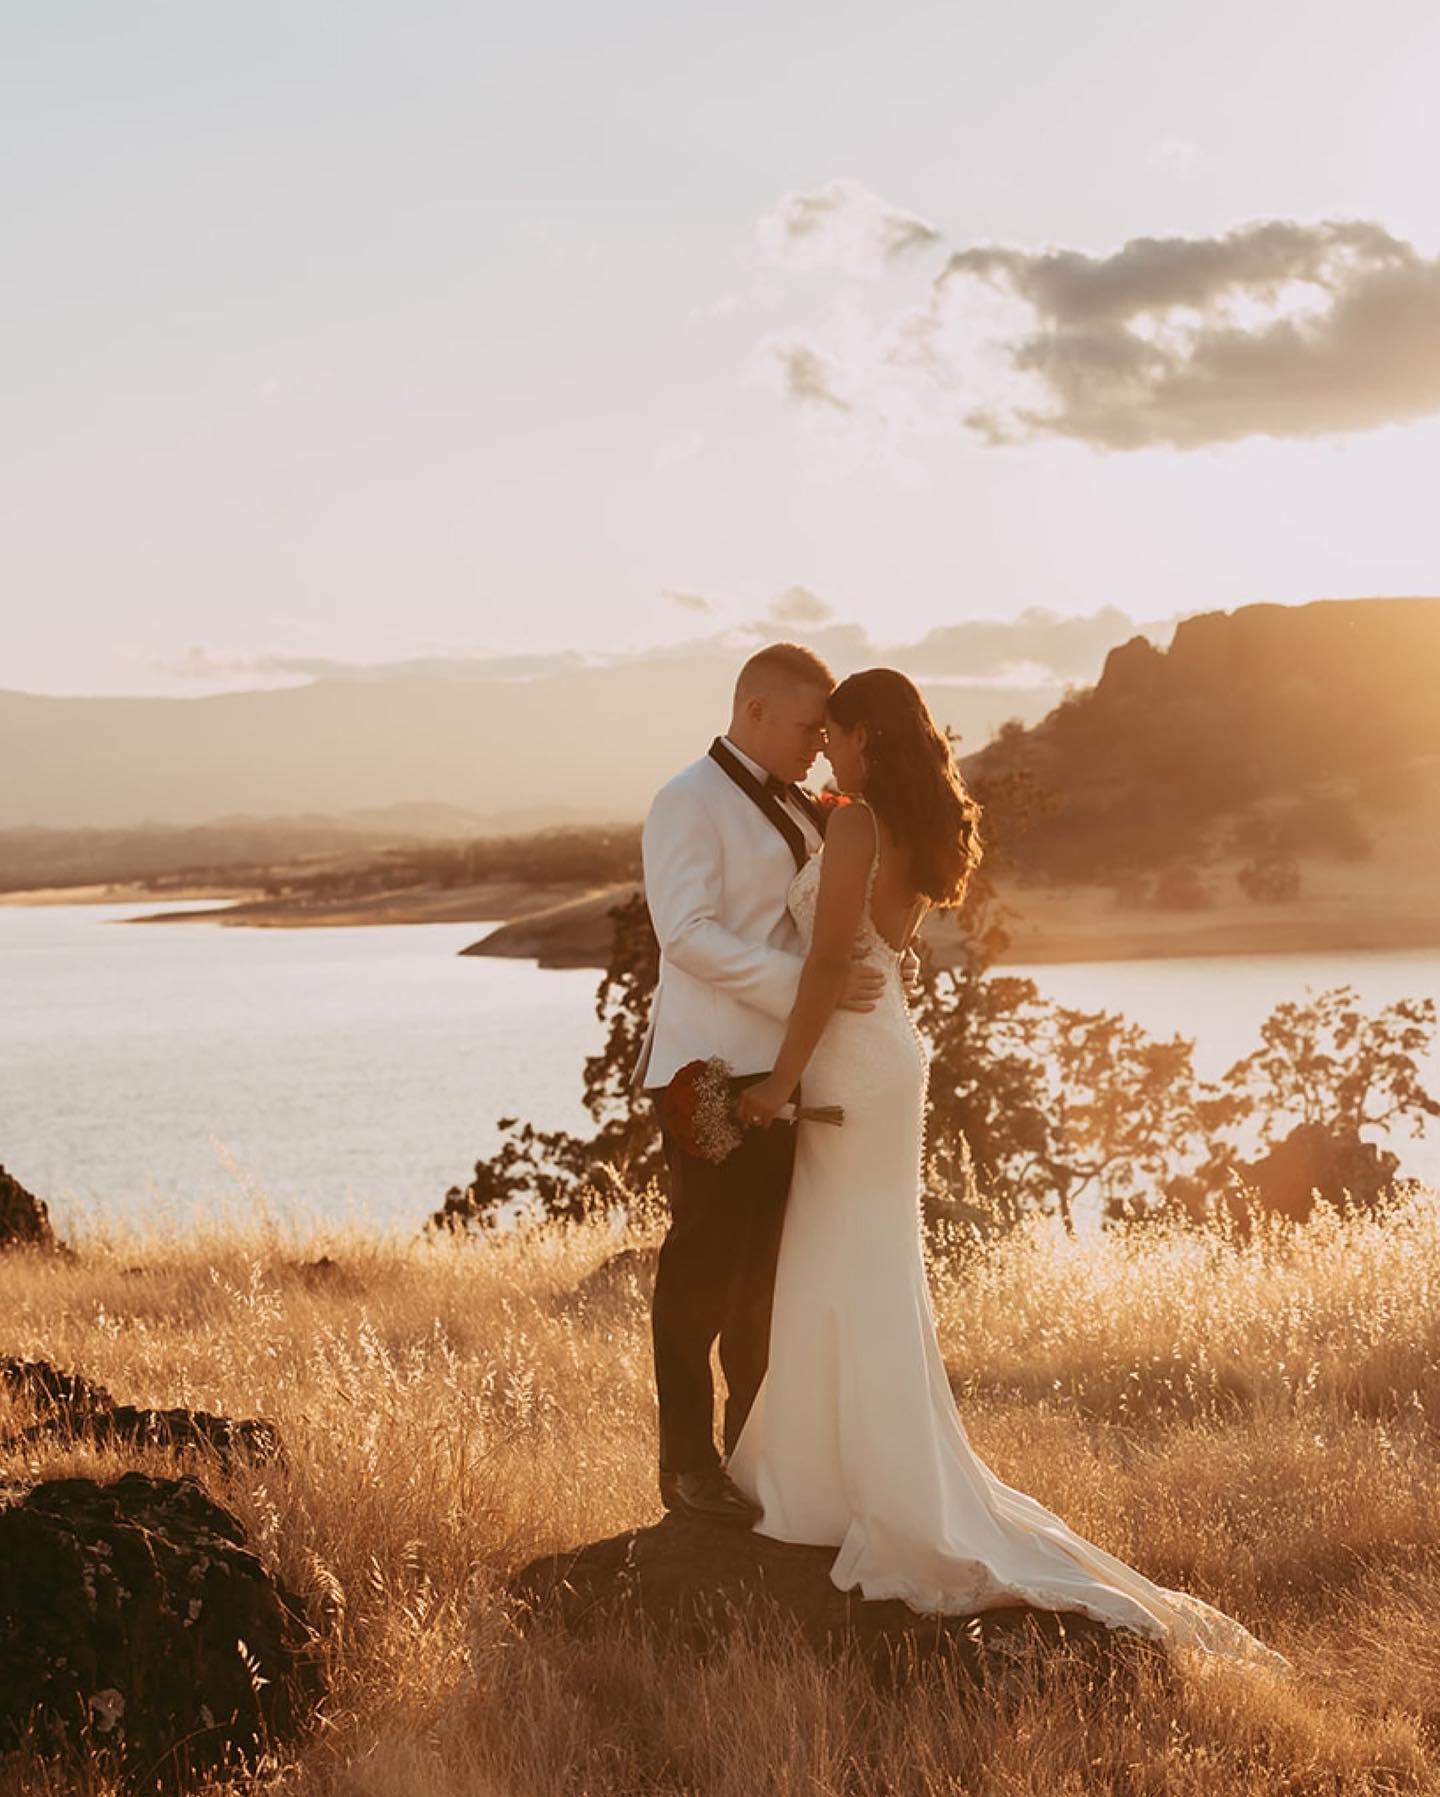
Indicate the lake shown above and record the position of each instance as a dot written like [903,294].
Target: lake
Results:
[183,1071]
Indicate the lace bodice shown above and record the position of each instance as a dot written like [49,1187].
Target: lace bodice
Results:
[805,892]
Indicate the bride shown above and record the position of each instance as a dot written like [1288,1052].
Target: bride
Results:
[854,1440]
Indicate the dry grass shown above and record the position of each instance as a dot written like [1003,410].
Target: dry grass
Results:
[1255,1423]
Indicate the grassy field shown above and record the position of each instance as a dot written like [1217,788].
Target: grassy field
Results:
[1255,1423]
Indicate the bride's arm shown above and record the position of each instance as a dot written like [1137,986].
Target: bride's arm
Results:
[839,907]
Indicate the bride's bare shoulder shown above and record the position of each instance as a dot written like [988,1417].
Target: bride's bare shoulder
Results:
[850,837]
[852,822]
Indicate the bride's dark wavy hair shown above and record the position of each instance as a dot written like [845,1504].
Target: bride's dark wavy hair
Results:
[911,780]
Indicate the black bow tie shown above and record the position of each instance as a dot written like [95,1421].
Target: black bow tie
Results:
[774,788]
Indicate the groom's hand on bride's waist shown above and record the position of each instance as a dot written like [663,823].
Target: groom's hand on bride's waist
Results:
[863,986]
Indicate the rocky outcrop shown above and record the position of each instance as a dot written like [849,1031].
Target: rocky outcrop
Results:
[73,1408]
[1312,1164]
[1337,1164]
[324,1274]
[579,932]
[24,1220]
[135,1623]
[691,1583]
[1247,715]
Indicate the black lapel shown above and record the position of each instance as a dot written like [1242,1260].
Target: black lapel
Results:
[818,814]
[752,789]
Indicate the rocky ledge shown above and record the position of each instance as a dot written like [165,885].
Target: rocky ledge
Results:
[24,1220]
[69,1407]
[692,1583]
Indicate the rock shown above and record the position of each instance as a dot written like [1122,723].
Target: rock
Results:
[578,933]
[617,1280]
[24,1220]
[693,1582]
[324,1275]
[1337,1164]
[1133,666]
[135,1622]
[75,1408]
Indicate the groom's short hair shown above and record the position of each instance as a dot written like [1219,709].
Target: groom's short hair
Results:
[782,664]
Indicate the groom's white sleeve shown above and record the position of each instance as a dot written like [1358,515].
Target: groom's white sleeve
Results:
[680,851]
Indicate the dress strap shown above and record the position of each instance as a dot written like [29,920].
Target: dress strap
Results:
[917,914]
[866,806]
[874,863]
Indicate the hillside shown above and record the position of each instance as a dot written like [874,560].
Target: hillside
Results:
[1274,733]
[249,854]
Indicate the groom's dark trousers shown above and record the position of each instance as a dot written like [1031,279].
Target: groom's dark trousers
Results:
[717,1277]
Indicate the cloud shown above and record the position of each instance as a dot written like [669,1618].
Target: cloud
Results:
[1177,154]
[798,605]
[1275,328]
[761,295]
[688,601]
[204,664]
[839,226]
[807,372]
[1038,648]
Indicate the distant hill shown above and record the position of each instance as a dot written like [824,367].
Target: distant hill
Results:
[1269,784]
[230,846]
[563,743]
[1274,729]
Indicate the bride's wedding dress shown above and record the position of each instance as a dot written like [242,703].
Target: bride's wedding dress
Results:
[854,1440]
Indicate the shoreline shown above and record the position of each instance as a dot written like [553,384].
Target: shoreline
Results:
[569,927]
[125,892]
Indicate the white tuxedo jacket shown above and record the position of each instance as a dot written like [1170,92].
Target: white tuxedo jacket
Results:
[717,873]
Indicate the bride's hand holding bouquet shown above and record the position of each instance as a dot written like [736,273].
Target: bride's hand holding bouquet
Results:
[703,1111]
[761,1103]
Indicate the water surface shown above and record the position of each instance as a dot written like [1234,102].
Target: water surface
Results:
[353,1074]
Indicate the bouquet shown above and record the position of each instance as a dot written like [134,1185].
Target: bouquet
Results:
[698,1109]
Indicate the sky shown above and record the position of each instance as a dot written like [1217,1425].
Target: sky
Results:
[371,332]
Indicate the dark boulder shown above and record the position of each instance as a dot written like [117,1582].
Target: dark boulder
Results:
[24,1220]
[74,1408]
[617,1281]
[692,1583]
[1346,1172]
[323,1274]
[135,1623]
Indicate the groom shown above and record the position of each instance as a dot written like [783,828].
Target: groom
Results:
[721,844]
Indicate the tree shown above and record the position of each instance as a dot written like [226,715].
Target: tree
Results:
[1324,1074]
[560,1174]
[1325,1061]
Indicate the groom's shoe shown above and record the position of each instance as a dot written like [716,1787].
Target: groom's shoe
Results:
[712,1495]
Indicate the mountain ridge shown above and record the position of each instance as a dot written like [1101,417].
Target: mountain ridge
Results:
[484,742]
[1267,713]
